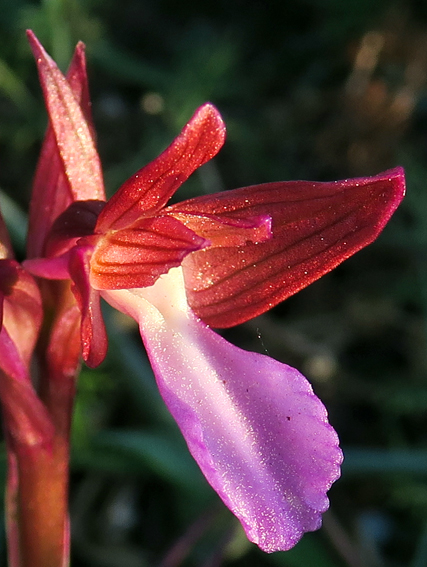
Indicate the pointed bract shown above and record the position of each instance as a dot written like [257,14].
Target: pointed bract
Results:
[51,192]
[73,135]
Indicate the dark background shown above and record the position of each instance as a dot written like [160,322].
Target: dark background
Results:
[309,89]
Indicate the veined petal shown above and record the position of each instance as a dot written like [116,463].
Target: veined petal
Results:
[93,334]
[223,231]
[73,135]
[150,188]
[315,227]
[254,426]
[52,193]
[138,255]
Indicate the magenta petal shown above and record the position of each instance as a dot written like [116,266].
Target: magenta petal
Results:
[254,426]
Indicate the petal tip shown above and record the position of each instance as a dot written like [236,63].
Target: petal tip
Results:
[209,116]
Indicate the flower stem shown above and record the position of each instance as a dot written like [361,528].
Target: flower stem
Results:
[39,499]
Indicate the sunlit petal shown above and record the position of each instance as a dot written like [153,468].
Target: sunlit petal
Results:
[315,227]
[138,255]
[150,188]
[254,426]
[73,135]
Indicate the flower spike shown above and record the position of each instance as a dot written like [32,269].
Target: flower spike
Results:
[254,425]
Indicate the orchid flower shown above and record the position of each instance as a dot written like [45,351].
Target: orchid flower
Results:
[256,429]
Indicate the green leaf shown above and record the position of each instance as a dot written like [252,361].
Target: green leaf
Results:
[163,453]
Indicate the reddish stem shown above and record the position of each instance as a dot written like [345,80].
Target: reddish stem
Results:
[42,504]
[38,526]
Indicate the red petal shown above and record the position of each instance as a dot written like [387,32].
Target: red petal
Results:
[93,333]
[150,188]
[315,227]
[137,256]
[223,231]
[73,134]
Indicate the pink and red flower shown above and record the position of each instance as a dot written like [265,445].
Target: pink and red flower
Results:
[254,425]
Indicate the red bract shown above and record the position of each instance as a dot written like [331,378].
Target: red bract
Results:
[69,167]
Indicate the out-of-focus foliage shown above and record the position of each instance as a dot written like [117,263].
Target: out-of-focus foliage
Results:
[314,89]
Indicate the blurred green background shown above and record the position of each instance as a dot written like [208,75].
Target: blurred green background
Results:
[309,89]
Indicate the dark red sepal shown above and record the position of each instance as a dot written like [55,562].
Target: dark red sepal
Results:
[315,227]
